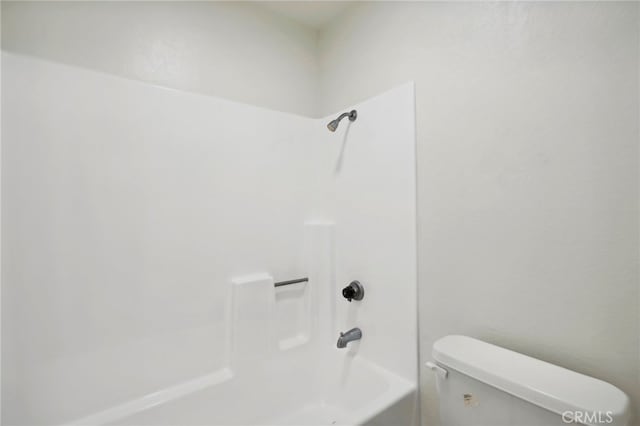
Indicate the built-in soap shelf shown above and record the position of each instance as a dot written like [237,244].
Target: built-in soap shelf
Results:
[292,315]
[266,317]
[269,316]
[252,306]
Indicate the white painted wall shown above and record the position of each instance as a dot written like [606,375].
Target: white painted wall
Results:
[527,124]
[231,49]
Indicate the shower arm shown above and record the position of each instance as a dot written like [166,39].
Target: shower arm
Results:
[343,115]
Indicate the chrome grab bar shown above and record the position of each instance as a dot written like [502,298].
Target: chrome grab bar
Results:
[288,282]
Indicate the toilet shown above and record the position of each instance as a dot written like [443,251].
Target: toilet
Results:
[480,384]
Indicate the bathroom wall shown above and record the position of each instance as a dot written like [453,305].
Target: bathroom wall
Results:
[231,49]
[127,211]
[527,126]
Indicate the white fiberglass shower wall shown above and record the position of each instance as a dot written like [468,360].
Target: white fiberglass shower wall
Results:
[143,230]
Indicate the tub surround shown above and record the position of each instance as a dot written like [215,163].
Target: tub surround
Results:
[146,228]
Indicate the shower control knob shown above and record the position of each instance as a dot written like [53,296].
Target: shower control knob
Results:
[354,291]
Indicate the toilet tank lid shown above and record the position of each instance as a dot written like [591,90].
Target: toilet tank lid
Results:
[546,385]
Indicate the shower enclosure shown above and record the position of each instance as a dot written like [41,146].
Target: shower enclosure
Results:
[145,229]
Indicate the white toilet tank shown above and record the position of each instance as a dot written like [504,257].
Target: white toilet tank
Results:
[480,384]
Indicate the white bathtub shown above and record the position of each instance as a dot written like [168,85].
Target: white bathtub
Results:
[340,389]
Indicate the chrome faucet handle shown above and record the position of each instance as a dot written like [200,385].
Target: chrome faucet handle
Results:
[354,291]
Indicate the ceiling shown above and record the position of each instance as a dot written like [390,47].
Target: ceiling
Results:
[308,12]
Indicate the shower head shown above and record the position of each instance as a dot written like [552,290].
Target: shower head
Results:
[333,125]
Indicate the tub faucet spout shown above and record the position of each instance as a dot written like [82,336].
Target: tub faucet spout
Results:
[349,336]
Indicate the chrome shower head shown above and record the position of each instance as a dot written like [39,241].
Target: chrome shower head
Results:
[333,125]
